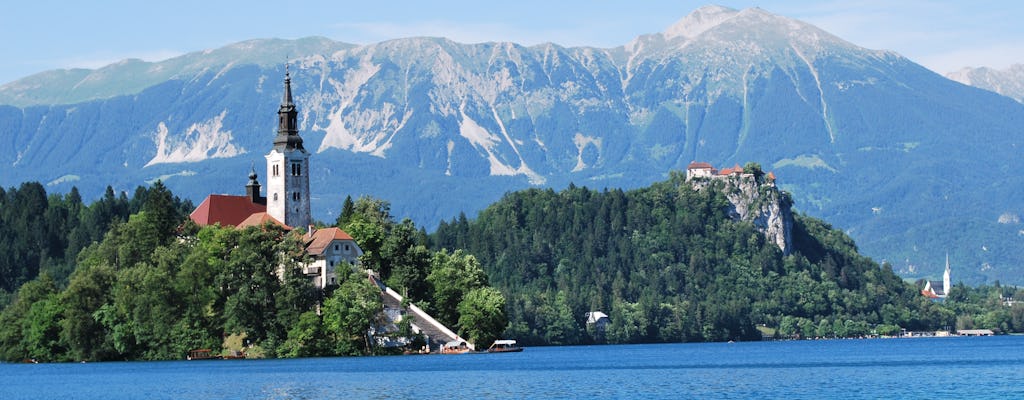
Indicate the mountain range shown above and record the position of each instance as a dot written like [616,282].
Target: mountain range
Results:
[911,164]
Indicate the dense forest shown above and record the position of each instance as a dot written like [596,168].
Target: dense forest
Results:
[45,233]
[155,286]
[667,264]
[132,278]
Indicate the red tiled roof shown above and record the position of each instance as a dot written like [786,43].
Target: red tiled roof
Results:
[260,218]
[734,170]
[699,165]
[321,238]
[226,210]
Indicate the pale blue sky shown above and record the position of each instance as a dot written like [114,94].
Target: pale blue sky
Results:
[48,34]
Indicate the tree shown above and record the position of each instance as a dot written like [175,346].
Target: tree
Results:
[306,338]
[348,209]
[349,313]
[89,289]
[482,315]
[250,282]
[452,275]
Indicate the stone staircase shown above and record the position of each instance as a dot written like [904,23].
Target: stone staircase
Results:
[436,333]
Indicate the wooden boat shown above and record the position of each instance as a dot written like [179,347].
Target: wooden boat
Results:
[201,354]
[455,347]
[504,346]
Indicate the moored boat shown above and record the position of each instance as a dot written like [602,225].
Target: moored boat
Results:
[201,354]
[504,346]
[455,347]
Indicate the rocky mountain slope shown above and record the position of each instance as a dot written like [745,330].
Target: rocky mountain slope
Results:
[1008,82]
[911,164]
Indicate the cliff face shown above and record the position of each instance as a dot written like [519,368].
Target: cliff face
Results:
[753,199]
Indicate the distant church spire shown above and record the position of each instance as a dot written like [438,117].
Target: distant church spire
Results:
[946,281]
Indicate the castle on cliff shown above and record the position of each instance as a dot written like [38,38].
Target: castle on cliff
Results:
[705,170]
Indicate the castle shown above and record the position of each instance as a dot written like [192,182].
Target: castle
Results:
[706,171]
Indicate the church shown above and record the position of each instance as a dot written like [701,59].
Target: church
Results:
[938,289]
[287,202]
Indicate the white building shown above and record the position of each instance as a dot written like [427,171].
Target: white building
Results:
[331,248]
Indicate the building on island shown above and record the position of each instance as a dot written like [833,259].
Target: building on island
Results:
[330,248]
[938,289]
[286,203]
[287,200]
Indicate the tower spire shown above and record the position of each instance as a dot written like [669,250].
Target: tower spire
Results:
[287,125]
[287,100]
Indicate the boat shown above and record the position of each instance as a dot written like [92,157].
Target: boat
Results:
[201,354]
[504,346]
[455,347]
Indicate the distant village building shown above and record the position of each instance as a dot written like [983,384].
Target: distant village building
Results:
[598,320]
[287,201]
[938,289]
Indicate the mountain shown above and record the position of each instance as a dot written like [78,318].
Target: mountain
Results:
[1008,82]
[910,164]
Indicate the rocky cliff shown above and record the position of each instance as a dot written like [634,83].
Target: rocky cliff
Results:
[756,199]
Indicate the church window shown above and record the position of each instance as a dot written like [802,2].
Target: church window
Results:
[275,196]
[346,247]
[277,170]
[296,169]
[295,196]
[335,247]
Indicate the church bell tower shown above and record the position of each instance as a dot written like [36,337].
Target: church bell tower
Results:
[288,167]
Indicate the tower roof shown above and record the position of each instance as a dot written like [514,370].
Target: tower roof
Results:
[287,127]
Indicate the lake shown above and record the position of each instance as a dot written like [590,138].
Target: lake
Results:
[954,367]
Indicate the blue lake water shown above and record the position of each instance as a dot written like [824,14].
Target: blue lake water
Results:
[985,367]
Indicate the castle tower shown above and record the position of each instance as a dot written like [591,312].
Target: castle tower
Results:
[288,167]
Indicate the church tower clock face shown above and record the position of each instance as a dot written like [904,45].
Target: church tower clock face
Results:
[288,167]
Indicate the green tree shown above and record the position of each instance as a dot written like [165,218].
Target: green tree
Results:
[307,338]
[482,315]
[13,346]
[349,313]
[452,275]
[89,289]
[348,209]
[250,282]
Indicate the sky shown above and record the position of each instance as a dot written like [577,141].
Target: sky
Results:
[40,35]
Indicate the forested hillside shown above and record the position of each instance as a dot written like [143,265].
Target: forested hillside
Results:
[40,232]
[667,263]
